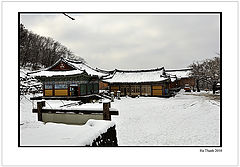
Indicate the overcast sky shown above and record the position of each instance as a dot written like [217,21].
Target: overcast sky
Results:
[136,41]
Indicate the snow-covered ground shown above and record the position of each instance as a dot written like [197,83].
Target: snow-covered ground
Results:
[52,134]
[184,120]
[35,133]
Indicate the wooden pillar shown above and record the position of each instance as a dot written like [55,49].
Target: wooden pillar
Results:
[68,89]
[163,89]
[106,112]
[151,90]
[86,89]
[53,89]
[43,89]
[168,88]
[140,89]
[98,87]
[119,89]
[79,90]
[92,91]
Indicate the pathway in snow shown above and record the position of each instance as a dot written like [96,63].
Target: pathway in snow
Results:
[183,120]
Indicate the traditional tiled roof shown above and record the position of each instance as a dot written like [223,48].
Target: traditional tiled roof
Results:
[109,72]
[89,70]
[181,73]
[137,76]
[79,67]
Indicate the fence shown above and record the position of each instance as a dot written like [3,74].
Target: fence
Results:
[73,116]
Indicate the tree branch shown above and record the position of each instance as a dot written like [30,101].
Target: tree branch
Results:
[68,16]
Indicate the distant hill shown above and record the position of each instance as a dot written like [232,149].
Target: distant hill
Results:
[38,52]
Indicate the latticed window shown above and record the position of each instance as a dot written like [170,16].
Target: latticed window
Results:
[61,86]
[124,90]
[89,89]
[114,89]
[83,89]
[48,86]
[95,88]
[146,89]
[135,89]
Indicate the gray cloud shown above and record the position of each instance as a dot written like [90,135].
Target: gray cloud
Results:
[132,41]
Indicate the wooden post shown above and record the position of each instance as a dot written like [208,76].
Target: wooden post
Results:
[43,103]
[106,113]
[39,109]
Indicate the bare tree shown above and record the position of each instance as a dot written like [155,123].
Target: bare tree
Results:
[207,72]
[37,51]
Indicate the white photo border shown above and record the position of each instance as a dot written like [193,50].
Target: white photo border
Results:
[14,155]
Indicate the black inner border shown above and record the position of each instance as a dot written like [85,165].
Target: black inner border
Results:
[220,22]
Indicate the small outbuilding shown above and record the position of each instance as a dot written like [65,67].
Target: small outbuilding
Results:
[181,77]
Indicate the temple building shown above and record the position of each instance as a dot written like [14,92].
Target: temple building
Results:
[69,78]
[77,78]
[152,82]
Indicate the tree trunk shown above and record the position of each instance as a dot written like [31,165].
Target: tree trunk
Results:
[214,87]
[198,90]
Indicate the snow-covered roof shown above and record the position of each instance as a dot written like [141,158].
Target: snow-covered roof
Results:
[105,71]
[173,79]
[182,73]
[86,67]
[23,73]
[79,67]
[137,76]
[56,73]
